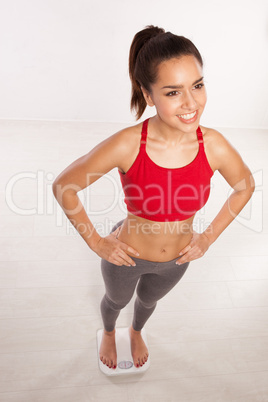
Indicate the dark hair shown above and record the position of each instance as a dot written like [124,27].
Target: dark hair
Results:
[149,48]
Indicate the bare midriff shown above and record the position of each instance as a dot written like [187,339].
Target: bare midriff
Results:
[156,241]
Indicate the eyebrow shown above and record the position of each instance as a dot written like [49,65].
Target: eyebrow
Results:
[181,86]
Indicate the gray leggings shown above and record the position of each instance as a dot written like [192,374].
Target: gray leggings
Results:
[155,279]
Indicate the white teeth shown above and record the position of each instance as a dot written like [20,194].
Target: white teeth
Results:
[187,116]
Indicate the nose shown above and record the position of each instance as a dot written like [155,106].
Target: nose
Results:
[189,101]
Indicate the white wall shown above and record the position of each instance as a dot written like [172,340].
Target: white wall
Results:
[68,60]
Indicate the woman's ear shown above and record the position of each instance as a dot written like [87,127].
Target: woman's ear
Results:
[147,97]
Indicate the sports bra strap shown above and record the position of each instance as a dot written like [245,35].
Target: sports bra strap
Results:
[144,134]
[200,137]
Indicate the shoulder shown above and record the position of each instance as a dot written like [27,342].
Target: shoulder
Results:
[128,137]
[127,140]
[213,137]
[114,152]
[122,140]
[218,149]
[120,147]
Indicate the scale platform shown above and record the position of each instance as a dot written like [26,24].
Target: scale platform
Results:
[124,358]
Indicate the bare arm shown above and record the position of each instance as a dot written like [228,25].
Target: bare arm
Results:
[239,177]
[230,165]
[77,176]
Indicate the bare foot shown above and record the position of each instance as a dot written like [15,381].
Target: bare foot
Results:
[138,348]
[107,352]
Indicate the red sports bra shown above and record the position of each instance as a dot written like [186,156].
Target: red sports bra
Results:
[165,194]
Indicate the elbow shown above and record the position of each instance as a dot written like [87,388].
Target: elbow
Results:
[60,189]
[56,186]
[250,189]
[245,189]
[251,185]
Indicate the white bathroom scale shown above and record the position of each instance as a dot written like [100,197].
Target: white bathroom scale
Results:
[125,363]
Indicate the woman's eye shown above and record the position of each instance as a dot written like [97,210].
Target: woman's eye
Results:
[199,86]
[172,93]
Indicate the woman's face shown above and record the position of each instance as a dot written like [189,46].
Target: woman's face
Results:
[179,94]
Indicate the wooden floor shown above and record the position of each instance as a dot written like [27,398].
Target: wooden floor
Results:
[208,338]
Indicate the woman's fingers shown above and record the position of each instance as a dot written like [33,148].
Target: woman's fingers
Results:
[120,254]
[124,259]
[185,249]
[115,251]
[196,249]
[186,257]
[131,250]
[126,248]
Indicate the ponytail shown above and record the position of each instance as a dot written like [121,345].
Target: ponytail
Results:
[149,48]
[138,103]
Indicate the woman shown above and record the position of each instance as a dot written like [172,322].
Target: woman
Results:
[165,166]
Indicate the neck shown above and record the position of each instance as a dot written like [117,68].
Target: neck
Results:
[167,133]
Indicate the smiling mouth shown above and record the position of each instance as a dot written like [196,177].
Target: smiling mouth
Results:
[187,116]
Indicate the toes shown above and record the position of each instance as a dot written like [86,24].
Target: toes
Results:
[110,364]
[145,359]
[106,362]
[103,360]
[142,361]
[139,363]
